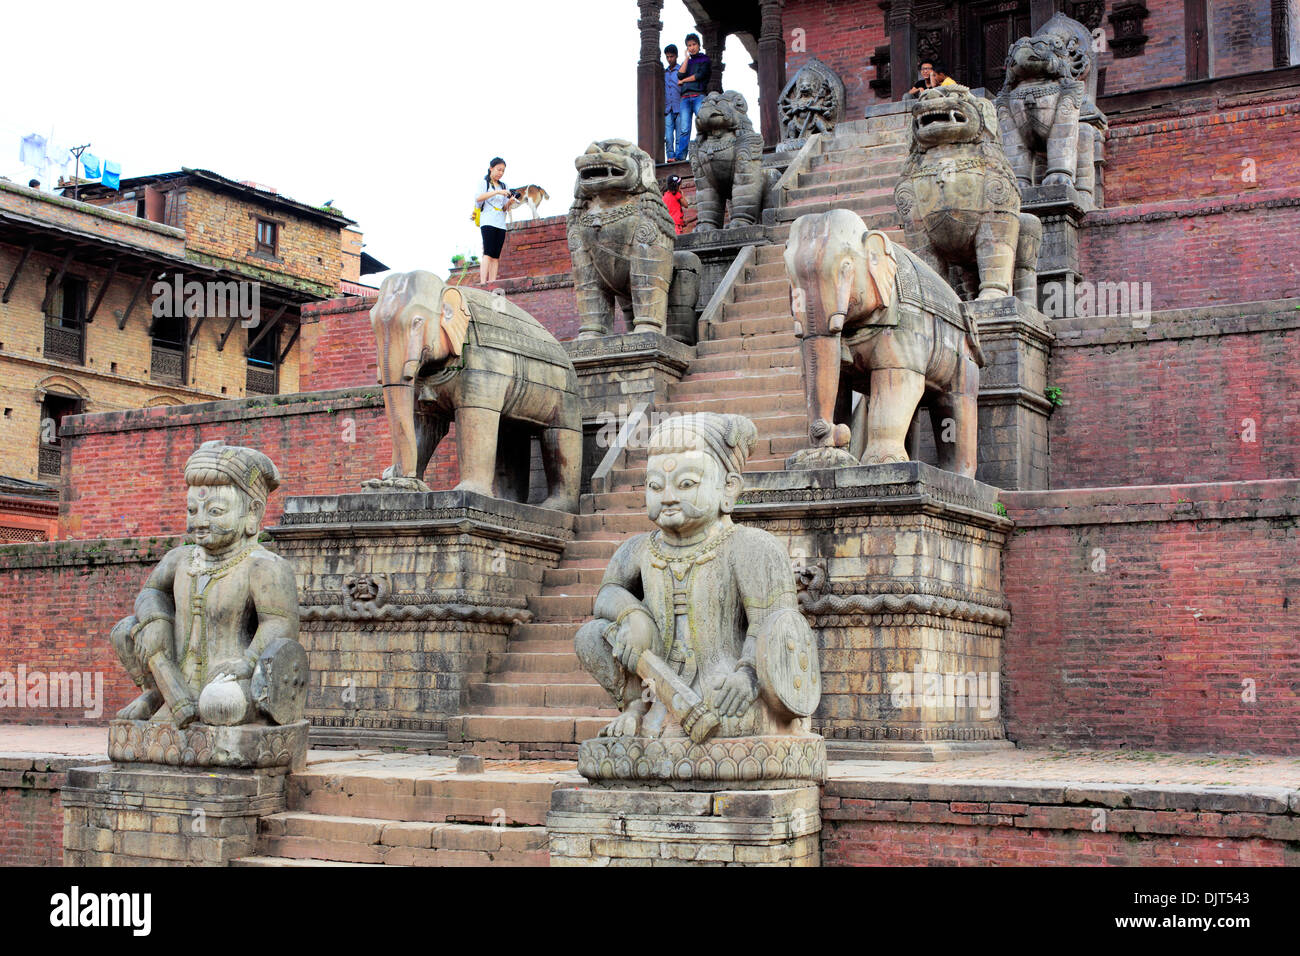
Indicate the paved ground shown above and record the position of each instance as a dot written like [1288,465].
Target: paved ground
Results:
[1148,768]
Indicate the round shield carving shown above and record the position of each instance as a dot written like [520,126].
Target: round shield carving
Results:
[789,671]
[279,684]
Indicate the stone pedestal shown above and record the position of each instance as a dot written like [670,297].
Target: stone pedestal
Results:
[616,375]
[405,597]
[1061,209]
[901,575]
[598,827]
[1013,407]
[176,797]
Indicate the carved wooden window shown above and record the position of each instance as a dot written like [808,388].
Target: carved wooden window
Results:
[268,238]
[263,377]
[168,354]
[65,322]
[54,408]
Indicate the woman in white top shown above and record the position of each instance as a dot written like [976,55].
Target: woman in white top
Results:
[493,199]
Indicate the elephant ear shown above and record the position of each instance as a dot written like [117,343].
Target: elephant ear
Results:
[882,266]
[454,319]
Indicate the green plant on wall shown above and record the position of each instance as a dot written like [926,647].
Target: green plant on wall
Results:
[1053,393]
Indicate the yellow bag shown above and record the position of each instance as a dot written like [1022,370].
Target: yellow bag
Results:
[477,212]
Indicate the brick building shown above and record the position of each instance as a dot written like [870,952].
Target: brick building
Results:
[95,314]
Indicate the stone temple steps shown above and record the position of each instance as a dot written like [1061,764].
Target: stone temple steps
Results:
[411,811]
[536,700]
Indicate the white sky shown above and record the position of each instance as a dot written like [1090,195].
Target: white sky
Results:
[390,109]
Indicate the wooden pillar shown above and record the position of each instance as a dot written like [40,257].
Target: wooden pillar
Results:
[771,68]
[1196,31]
[902,48]
[1040,11]
[714,38]
[650,82]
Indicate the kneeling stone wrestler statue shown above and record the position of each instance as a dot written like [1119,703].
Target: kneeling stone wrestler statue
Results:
[214,633]
[697,628]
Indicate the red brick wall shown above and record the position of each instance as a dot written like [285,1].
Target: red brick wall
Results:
[1199,252]
[31,826]
[1198,596]
[873,842]
[85,588]
[535,247]
[1241,33]
[1163,59]
[1220,150]
[844,35]
[342,350]
[124,471]
[1170,403]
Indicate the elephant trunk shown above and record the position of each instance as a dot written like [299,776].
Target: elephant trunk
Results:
[399,404]
[821,368]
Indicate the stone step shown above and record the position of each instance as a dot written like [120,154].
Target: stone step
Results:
[762,344]
[852,189]
[563,577]
[758,308]
[865,177]
[292,861]
[548,677]
[574,607]
[487,698]
[875,215]
[754,366]
[530,729]
[769,253]
[537,632]
[596,548]
[604,710]
[621,525]
[767,272]
[875,150]
[561,662]
[763,289]
[767,402]
[742,328]
[348,789]
[352,839]
[843,193]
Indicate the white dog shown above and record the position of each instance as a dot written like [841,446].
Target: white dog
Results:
[530,196]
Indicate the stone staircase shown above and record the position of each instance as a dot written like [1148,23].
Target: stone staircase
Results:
[373,809]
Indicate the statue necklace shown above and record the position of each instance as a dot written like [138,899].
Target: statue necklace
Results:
[681,567]
[200,577]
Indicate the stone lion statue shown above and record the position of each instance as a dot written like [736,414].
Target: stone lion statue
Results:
[621,238]
[1045,110]
[958,200]
[727,161]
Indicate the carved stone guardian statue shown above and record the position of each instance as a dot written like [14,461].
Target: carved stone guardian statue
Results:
[727,161]
[812,102]
[698,635]
[214,634]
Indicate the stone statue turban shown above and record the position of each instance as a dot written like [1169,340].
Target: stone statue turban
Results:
[216,463]
[728,438]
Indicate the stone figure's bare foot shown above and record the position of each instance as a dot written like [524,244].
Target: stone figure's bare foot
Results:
[653,724]
[400,483]
[1057,179]
[626,724]
[185,714]
[884,455]
[143,707]
[475,487]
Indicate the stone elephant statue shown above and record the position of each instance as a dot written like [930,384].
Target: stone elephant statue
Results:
[874,318]
[450,353]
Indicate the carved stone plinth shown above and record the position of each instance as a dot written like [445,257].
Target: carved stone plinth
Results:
[404,597]
[901,574]
[720,763]
[597,827]
[1013,440]
[616,374]
[145,815]
[1061,210]
[261,746]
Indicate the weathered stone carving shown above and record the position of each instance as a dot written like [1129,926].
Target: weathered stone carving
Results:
[958,200]
[698,633]
[812,102]
[727,160]
[450,353]
[214,633]
[905,333]
[621,239]
[1047,110]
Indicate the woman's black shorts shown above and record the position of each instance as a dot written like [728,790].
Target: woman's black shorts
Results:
[493,239]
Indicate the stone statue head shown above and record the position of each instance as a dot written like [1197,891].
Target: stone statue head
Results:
[228,488]
[1043,56]
[723,113]
[693,475]
[614,165]
[952,114]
